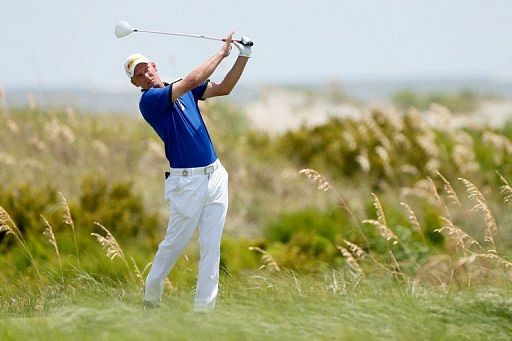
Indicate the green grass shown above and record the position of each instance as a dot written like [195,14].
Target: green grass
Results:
[258,305]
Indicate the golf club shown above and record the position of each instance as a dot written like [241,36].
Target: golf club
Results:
[123,29]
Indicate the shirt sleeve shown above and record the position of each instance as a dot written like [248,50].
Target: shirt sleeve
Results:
[153,100]
[198,91]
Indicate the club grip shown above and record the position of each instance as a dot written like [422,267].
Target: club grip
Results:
[239,41]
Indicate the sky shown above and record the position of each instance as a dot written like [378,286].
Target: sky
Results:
[63,43]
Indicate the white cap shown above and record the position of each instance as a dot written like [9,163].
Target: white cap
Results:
[132,61]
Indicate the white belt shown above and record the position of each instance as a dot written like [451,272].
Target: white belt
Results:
[196,171]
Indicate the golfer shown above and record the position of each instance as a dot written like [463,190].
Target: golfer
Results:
[197,184]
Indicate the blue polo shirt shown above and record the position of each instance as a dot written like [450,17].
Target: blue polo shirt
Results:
[179,125]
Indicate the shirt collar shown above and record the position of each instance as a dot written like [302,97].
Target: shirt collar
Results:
[144,90]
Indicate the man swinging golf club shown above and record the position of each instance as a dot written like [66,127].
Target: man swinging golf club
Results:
[197,184]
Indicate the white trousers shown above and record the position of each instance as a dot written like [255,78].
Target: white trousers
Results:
[195,201]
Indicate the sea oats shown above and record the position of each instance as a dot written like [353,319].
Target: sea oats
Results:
[349,140]
[13,127]
[320,180]
[48,232]
[7,159]
[496,259]
[463,153]
[421,189]
[380,224]
[501,145]
[363,161]
[355,249]
[268,261]
[505,190]
[110,244]
[68,219]
[461,238]
[440,203]
[442,117]
[8,226]
[351,261]
[452,195]
[481,205]
[408,169]
[413,219]
[6,223]
[138,273]
[395,267]
[59,132]
[427,143]
[376,131]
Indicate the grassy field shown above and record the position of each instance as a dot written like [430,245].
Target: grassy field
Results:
[254,306]
[379,227]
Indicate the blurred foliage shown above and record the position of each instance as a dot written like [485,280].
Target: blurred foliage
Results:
[463,101]
[111,172]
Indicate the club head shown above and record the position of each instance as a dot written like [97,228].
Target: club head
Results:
[123,29]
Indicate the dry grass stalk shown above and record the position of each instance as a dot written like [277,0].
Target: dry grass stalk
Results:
[481,205]
[378,208]
[355,249]
[110,244]
[363,161]
[505,190]
[463,154]
[8,226]
[380,224]
[384,231]
[48,232]
[461,238]
[421,189]
[138,273]
[69,221]
[452,195]
[501,145]
[413,219]
[320,180]
[496,259]
[435,193]
[268,261]
[351,261]
[396,271]
[375,130]
[13,127]
[324,185]
[427,143]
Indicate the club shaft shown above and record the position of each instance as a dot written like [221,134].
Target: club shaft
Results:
[186,35]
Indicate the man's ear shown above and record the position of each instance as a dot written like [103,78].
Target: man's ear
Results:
[131,81]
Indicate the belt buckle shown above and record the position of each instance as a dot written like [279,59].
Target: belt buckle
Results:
[185,172]
[206,169]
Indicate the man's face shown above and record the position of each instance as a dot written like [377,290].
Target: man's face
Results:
[146,76]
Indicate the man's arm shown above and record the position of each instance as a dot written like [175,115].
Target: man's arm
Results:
[224,88]
[202,72]
[228,83]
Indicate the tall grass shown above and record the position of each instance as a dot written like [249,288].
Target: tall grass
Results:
[386,244]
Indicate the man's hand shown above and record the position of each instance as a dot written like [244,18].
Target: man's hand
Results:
[226,48]
[245,48]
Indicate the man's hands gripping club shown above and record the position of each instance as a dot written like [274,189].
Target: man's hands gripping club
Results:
[244,46]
